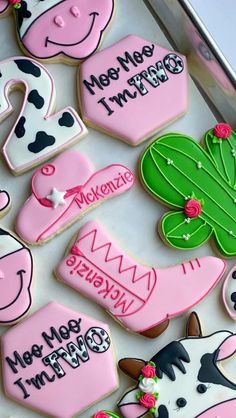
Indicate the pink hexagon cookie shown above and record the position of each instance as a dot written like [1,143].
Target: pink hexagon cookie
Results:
[133,89]
[54,362]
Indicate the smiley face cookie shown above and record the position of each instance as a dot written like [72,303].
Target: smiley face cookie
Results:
[54,362]
[68,31]
[16,269]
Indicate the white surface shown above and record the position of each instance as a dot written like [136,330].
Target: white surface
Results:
[219,18]
[131,218]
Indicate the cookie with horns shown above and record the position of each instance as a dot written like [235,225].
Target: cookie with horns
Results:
[69,30]
[185,379]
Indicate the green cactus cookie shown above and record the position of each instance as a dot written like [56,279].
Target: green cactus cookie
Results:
[199,183]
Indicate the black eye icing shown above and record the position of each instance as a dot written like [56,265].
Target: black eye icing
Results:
[181,402]
[234,274]
[201,388]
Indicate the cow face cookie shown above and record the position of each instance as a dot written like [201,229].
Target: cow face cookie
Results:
[184,379]
[38,133]
[63,191]
[229,293]
[58,30]
[199,183]
[133,80]
[5,202]
[138,296]
[16,269]
[54,362]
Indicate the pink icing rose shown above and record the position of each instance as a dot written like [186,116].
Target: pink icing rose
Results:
[149,371]
[148,400]
[222,130]
[193,208]
[101,414]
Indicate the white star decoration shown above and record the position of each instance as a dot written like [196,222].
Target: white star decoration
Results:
[56,197]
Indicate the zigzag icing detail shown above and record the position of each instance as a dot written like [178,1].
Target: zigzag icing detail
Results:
[119,259]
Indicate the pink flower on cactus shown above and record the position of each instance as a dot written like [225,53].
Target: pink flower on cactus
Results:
[193,208]
[101,414]
[148,400]
[13,2]
[149,371]
[222,130]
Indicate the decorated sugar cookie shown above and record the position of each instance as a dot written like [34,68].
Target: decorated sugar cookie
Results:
[38,133]
[54,362]
[142,298]
[16,269]
[5,202]
[229,293]
[56,30]
[199,183]
[65,190]
[185,379]
[133,89]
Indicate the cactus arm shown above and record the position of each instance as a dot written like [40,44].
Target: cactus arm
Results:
[223,154]
[184,233]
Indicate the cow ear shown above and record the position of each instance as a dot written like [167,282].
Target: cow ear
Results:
[193,328]
[4,6]
[132,367]
[227,348]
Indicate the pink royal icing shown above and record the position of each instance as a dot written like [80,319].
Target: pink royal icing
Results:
[192,208]
[68,29]
[133,89]
[222,130]
[64,190]
[4,201]
[16,269]
[54,362]
[138,296]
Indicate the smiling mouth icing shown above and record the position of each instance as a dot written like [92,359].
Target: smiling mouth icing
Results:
[48,41]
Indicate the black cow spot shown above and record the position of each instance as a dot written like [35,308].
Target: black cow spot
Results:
[0,74]
[22,13]
[163,412]
[233,298]
[20,129]
[42,141]
[35,98]
[85,355]
[66,120]
[28,67]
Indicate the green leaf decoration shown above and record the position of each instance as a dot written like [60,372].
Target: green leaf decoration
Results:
[112,414]
[223,153]
[185,233]
[174,168]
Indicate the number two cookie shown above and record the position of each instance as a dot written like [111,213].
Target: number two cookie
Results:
[38,133]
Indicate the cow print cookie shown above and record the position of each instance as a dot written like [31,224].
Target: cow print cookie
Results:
[54,362]
[38,133]
[132,80]
[16,270]
[229,293]
[198,182]
[65,190]
[142,298]
[55,30]
[185,379]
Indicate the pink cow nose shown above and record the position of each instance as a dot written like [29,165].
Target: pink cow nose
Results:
[75,11]
[59,21]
